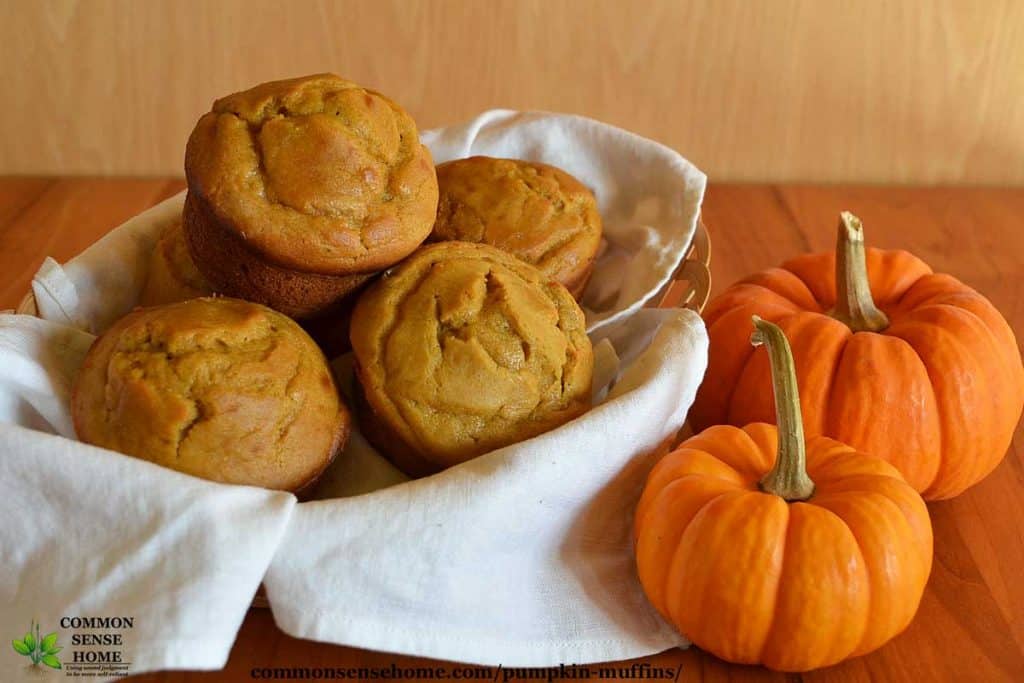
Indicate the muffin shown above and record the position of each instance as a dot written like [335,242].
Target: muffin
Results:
[172,275]
[300,190]
[462,349]
[537,212]
[217,388]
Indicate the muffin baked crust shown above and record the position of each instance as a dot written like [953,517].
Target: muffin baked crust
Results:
[535,211]
[462,349]
[313,175]
[234,268]
[173,275]
[218,388]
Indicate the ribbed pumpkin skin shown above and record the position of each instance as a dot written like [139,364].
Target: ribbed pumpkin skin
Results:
[938,393]
[792,586]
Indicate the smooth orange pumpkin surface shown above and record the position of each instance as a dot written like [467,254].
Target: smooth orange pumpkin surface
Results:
[900,362]
[795,584]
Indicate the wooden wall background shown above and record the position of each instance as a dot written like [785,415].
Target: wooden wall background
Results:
[815,90]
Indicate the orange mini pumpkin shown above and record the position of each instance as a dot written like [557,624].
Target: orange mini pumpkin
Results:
[825,557]
[930,378]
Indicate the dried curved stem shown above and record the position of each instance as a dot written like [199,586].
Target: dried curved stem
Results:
[854,304]
[788,477]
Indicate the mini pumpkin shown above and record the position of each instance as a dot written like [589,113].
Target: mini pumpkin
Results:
[795,565]
[893,359]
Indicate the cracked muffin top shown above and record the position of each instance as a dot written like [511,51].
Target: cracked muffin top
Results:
[217,388]
[173,275]
[316,174]
[537,212]
[462,349]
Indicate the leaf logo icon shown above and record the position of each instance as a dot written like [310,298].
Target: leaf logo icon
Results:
[40,649]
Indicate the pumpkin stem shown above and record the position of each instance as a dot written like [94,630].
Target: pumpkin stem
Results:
[788,477]
[854,304]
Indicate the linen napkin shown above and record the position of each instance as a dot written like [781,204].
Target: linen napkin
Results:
[520,557]
[95,536]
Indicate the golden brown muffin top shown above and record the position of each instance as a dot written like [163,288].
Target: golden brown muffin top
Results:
[538,212]
[218,388]
[317,174]
[463,348]
[173,275]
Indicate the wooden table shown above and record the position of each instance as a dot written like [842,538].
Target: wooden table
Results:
[971,623]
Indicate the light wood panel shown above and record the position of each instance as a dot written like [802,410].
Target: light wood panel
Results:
[819,90]
[970,626]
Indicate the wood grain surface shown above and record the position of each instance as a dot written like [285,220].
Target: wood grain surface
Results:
[970,626]
[767,90]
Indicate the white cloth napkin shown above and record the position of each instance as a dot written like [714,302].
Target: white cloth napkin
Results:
[86,534]
[520,557]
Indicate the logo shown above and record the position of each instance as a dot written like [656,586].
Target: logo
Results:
[41,650]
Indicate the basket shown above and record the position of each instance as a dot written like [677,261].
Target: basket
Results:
[690,288]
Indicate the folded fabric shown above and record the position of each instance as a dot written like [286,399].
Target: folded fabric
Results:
[520,557]
[91,535]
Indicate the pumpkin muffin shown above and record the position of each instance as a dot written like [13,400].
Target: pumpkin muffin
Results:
[537,212]
[217,388]
[462,349]
[172,275]
[300,190]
